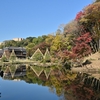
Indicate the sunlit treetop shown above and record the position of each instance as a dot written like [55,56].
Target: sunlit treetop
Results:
[91,9]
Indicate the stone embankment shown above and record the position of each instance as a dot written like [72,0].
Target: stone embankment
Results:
[93,68]
[89,81]
[89,74]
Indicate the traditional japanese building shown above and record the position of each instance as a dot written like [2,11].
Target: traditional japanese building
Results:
[20,52]
[1,53]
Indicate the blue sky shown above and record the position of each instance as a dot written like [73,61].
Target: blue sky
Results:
[25,18]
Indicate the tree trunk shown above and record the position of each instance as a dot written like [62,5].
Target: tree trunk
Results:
[99,45]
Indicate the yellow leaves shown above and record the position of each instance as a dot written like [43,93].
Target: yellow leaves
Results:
[90,12]
[71,76]
[91,8]
[56,43]
[49,39]
[84,20]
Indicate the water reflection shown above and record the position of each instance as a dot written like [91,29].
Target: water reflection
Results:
[60,82]
[1,73]
[11,72]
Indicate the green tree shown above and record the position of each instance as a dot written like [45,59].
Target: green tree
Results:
[47,56]
[38,40]
[12,56]
[42,46]
[49,39]
[4,58]
[37,56]
[29,39]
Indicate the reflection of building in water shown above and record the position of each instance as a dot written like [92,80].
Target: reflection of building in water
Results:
[16,79]
[14,71]
[16,74]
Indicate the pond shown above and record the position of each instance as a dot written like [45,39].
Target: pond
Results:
[20,90]
[24,82]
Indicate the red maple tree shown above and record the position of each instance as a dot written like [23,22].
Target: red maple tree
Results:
[82,47]
[78,16]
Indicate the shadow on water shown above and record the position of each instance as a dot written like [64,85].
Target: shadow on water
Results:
[60,81]
[1,74]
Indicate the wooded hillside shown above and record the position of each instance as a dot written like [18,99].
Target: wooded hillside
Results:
[76,39]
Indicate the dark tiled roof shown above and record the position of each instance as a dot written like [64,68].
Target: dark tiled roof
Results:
[15,48]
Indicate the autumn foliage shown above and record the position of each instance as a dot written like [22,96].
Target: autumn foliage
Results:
[66,54]
[78,16]
[82,47]
[80,91]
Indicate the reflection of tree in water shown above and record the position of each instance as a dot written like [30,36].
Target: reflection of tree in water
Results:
[31,77]
[54,82]
[7,70]
[12,69]
[61,82]
[3,68]
[64,85]
[38,70]
[79,91]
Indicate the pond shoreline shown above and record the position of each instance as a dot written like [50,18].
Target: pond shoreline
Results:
[28,62]
[93,68]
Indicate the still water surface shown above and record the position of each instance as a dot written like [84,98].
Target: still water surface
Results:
[20,90]
[18,83]
[37,83]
